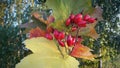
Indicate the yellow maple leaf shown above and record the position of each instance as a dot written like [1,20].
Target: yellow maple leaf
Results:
[46,55]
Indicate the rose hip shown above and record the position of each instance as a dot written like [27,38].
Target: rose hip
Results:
[68,22]
[56,33]
[49,36]
[91,20]
[70,40]
[78,18]
[61,35]
[72,16]
[61,43]
[82,23]
[86,17]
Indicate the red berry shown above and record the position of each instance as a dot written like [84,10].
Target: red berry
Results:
[78,18]
[72,16]
[68,21]
[74,28]
[91,20]
[49,36]
[56,34]
[86,17]
[70,40]
[82,23]
[61,35]
[73,39]
[61,43]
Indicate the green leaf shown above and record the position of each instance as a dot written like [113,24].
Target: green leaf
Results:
[62,8]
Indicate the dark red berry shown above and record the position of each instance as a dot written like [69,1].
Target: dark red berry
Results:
[61,35]
[91,20]
[68,21]
[86,17]
[78,18]
[74,28]
[82,23]
[72,16]
[56,34]
[61,43]
[49,36]
[73,39]
[70,41]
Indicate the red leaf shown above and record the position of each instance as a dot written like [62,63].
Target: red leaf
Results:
[93,33]
[49,29]
[81,51]
[37,32]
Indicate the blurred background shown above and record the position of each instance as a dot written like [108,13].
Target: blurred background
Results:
[13,13]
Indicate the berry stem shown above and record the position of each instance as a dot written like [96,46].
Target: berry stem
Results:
[66,46]
[66,49]
[59,49]
[77,34]
[82,11]
[78,28]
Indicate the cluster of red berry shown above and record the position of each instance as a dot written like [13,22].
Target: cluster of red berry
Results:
[62,38]
[75,21]
[79,20]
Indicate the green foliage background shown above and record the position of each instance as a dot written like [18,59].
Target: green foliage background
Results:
[11,48]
